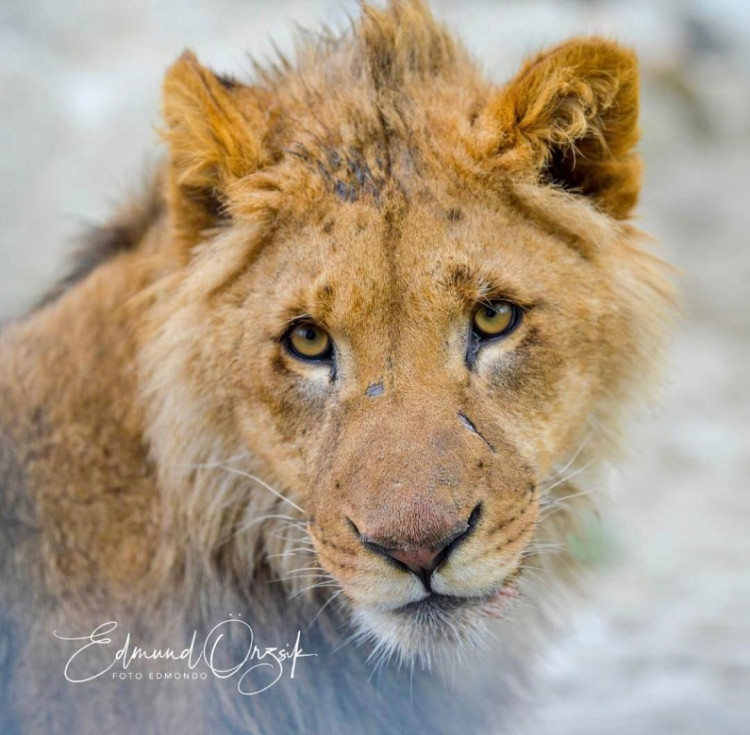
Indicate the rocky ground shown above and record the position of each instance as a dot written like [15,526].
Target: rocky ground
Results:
[662,643]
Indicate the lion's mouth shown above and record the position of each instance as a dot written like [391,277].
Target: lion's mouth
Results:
[436,605]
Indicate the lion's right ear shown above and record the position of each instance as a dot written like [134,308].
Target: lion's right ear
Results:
[214,128]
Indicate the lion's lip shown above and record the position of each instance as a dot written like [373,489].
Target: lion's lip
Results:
[434,602]
[492,605]
[495,605]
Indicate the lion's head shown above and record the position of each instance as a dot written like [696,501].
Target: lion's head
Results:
[404,300]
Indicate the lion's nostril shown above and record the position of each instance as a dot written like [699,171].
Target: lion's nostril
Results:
[476,514]
[354,528]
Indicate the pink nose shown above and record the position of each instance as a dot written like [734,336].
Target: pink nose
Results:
[416,558]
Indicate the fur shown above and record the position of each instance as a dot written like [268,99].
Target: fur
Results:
[164,461]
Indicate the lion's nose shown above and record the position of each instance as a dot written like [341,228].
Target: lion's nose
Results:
[421,560]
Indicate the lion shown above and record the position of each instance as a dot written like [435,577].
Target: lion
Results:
[346,370]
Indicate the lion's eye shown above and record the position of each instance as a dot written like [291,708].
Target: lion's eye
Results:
[307,341]
[495,319]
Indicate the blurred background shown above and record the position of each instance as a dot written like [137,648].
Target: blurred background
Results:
[661,644]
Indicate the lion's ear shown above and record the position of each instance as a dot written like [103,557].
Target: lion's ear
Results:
[570,118]
[214,128]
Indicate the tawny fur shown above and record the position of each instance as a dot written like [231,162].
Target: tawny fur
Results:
[163,459]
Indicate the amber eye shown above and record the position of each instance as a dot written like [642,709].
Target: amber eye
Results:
[307,341]
[495,319]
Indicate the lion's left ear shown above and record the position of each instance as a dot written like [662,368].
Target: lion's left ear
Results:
[215,131]
[569,118]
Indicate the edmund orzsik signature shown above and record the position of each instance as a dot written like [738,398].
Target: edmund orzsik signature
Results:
[257,668]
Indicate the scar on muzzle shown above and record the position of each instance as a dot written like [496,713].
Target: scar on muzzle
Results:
[469,424]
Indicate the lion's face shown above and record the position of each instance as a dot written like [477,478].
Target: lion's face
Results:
[419,305]
[415,440]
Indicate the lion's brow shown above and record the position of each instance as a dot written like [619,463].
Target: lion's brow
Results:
[472,284]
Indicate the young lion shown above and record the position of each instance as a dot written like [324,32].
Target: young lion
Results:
[335,378]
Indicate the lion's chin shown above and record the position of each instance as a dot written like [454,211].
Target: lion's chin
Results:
[435,629]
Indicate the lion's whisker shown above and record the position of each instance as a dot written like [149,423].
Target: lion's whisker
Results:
[575,456]
[560,501]
[541,547]
[287,537]
[291,552]
[286,580]
[567,478]
[265,485]
[324,606]
[358,635]
[261,519]
[307,569]
[314,587]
